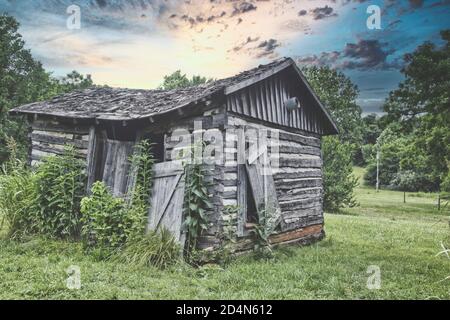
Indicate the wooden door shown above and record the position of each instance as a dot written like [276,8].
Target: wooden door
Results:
[262,184]
[166,200]
[117,165]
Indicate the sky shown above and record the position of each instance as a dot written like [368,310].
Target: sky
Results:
[134,43]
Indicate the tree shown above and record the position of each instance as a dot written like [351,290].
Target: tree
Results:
[339,181]
[421,105]
[74,81]
[21,81]
[177,80]
[338,94]
[372,129]
[24,80]
[425,89]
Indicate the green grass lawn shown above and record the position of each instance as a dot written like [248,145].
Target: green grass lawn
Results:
[401,239]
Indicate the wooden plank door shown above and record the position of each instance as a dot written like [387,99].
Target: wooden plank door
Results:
[117,165]
[262,184]
[166,200]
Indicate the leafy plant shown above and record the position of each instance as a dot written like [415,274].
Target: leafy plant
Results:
[156,248]
[60,183]
[263,230]
[111,222]
[224,253]
[142,161]
[197,203]
[17,197]
[106,222]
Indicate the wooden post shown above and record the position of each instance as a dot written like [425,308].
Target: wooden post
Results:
[439,202]
[91,159]
[404,196]
[378,169]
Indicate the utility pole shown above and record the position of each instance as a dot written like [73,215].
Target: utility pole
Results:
[378,167]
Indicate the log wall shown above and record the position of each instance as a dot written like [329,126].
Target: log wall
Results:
[298,176]
[50,137]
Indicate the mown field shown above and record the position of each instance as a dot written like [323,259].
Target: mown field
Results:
[401,239]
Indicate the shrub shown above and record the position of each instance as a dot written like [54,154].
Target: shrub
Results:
[337,174]
[409,180]
[106,222]
[156,248]
[18,200]
[60,183]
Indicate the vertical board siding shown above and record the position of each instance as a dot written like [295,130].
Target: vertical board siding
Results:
[265,101]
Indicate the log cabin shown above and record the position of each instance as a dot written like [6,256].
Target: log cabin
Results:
[283,172]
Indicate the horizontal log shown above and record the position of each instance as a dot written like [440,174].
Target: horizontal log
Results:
[81,144]
[296,173]
[301,203]
[304,140]
[295,194]
[288,184]
[300,163]
[59,127]
[301,213]
[230,195]
[299,150]
[58,151]
[40,152]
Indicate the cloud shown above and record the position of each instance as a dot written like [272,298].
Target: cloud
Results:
[267,47]
[245,43]
[243,7]
[323,12]
[365,54]
[323,59]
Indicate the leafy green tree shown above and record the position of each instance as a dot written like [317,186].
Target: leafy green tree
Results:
[177,80]
[372,129]
[74,81]
[421,105]
[338,94]
[339,181]
[426,87]
[24,80]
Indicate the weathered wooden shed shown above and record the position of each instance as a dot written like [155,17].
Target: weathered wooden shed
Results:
[275,99]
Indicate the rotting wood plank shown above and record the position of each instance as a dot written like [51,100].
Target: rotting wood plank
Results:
[296,234]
